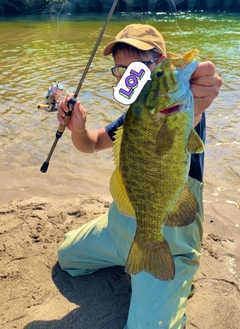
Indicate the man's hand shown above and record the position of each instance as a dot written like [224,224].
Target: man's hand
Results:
[205,85]
[78,117]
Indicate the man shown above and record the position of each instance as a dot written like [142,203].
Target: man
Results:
[106,241]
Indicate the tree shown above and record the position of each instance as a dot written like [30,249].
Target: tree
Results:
[12,7]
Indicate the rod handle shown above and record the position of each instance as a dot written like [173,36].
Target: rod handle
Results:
[66,118]
[59,133]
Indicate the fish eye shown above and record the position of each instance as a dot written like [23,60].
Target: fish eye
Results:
[159,74]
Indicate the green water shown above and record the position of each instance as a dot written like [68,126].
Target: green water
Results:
[38,50]
[35,51]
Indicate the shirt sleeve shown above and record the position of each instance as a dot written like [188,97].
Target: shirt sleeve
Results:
[197,160]
[112,127]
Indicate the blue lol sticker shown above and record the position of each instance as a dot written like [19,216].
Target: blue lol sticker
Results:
[132,82]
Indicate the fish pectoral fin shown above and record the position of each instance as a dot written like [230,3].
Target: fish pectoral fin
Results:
[152,257]
[119,194]
[195,144]
[184,211]
[165,139]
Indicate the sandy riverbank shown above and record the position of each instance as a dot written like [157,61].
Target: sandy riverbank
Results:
[36,294]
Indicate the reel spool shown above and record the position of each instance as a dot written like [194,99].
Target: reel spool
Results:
[52,97]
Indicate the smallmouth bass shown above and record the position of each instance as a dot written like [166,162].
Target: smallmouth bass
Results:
[152,157]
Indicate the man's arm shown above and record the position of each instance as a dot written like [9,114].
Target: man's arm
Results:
[205,85]
[89,141]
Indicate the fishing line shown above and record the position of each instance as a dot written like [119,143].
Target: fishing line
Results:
[58,14]
[176,20]
[72,102]
[51,90]
[58,25]
[181,31]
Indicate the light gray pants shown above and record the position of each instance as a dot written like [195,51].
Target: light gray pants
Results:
[106,241]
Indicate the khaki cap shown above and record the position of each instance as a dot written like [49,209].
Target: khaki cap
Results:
[140,36]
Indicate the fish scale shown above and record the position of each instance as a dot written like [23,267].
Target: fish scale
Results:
[152,157]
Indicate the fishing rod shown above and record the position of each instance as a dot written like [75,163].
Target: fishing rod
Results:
[73,100]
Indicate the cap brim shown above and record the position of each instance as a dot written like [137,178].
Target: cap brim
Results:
[132,42]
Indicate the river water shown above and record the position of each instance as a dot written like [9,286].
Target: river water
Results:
[35,51]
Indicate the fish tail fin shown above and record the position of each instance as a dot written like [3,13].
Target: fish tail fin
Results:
[152,257]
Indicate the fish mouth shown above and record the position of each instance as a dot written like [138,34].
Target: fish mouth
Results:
[170,110]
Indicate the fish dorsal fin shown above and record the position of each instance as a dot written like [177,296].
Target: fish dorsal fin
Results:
[117,145]
[186,64]
[195,144]
[191,55]
[183,60]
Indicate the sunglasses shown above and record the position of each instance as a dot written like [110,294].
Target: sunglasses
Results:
[118,71]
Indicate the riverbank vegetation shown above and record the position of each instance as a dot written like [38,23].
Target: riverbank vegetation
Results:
[23,7]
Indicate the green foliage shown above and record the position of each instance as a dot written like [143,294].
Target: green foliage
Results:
[58,1]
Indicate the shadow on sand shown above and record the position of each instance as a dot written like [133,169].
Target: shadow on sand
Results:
[103,298]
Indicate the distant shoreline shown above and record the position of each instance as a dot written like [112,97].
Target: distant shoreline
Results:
[33,7]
